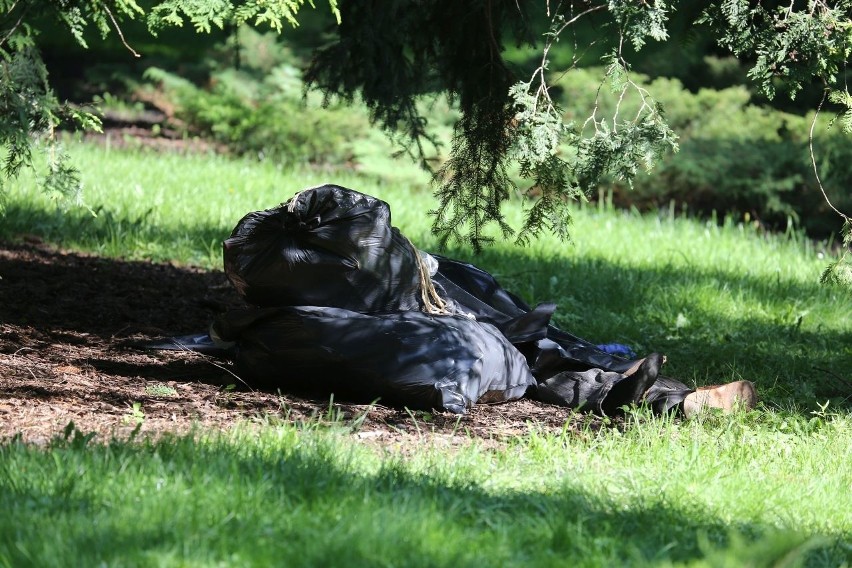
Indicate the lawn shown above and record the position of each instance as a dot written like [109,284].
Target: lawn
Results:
[723,300]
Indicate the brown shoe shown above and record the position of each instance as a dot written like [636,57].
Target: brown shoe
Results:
[732,397]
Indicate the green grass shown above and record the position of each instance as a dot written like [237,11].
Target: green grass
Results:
[723,302]
[659,493]
[154,206]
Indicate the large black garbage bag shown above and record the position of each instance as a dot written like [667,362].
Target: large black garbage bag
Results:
[550,351]
[332,246]
[478,292]
[405,358]
[327,246]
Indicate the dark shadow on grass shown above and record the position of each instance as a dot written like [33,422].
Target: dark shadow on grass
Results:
[317,512]
[68,294]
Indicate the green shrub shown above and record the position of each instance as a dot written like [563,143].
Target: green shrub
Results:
[734,158]
[258,108]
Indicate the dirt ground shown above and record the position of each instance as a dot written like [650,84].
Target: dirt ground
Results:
[71,326]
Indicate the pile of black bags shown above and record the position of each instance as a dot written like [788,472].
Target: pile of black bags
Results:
[344,303]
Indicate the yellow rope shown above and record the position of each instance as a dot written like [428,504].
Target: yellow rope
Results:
[433,303]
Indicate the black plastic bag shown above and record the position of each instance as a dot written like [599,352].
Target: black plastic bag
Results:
[327,246]
[550,351]
[478,292]
[406,359]
[333,247]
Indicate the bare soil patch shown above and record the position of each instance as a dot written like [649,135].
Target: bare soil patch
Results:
[71,326]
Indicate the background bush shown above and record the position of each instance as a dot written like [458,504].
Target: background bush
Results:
[735,157]
[253,103]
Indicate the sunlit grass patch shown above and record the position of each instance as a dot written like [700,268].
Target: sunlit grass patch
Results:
[654,493]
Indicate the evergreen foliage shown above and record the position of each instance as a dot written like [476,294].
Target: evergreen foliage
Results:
[30,110]
[509,122]
[204,14]
[392,53]
[791,45]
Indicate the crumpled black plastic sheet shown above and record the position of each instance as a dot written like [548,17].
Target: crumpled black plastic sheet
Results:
[405,358]
[339,294]
[327,246]
[478,292]
[549,350]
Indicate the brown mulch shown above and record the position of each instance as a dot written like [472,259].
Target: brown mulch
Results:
[71,326]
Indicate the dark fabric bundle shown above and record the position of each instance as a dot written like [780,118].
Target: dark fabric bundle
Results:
[335,248]
[327,246]
[406,358]
[479,293]
[552,354]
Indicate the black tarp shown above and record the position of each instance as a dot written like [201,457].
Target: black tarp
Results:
[574,359]
[406,358]
[327,246]
[340,296]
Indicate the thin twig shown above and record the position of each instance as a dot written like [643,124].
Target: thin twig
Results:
[813,157]
[208,360]
[618,107]
[835,375]
[578,16]
[17,24]
[542,88]
[593,117]
[120,34]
